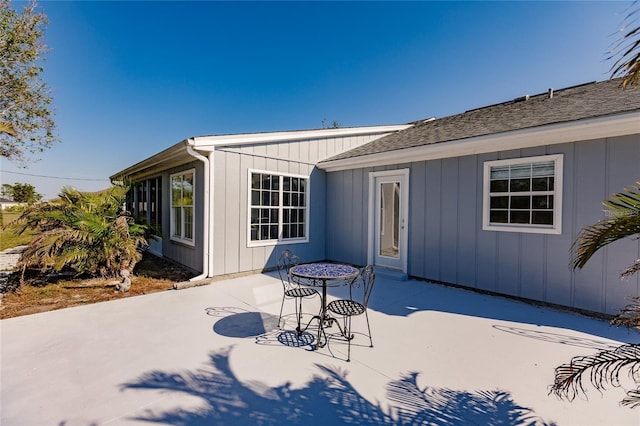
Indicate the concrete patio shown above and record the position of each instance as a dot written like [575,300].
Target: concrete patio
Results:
[213,355]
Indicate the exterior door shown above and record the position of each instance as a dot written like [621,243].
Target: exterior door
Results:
[388,233]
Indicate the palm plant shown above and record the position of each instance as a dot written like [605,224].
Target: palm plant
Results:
[622,221]
[86,232]
[627,48]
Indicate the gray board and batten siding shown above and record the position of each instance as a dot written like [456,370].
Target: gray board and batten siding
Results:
[447,242]
[230,159]
[446,239]
[231,165]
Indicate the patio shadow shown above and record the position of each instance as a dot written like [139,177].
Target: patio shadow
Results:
[236,322]
[328,398]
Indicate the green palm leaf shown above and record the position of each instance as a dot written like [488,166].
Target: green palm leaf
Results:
[622,221]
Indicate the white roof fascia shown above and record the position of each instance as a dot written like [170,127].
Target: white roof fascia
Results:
[212,142]
[601,127]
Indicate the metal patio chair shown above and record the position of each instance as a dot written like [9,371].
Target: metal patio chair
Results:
[291,289]
[348,308]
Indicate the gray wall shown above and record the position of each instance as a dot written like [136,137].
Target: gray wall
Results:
[230,164]
[190,256]
[447,243]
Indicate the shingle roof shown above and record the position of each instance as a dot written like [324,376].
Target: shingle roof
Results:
[585,101]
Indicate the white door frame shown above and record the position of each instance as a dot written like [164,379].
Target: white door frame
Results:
[403,176]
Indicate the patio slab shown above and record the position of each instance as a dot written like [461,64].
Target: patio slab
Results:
[213,355]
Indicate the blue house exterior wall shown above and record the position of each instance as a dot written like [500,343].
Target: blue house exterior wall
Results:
[447,242]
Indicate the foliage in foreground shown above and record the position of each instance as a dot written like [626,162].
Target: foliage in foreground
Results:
[26,123]
[85,232]
[604,369]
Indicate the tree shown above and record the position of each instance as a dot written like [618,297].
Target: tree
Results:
[622,220]
[21,193]
[26,123]
[628,49]
[86,232]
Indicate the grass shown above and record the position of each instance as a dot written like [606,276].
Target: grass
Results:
[8,234]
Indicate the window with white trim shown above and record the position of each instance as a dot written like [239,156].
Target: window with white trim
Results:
[182,203]
[523,195]
[278,208]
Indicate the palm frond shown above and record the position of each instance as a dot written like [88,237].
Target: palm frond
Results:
[603,369]
[623,220]
[627,50]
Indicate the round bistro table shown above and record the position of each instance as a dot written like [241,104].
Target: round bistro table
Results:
[323,275]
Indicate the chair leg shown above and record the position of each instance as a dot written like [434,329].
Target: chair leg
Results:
[281,306]
[349,338]
[368,329]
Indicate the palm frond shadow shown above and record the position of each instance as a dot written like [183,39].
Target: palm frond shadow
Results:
[442,406]
[564,339]
[327,398]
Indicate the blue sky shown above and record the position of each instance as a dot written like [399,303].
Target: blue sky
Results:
[133,78]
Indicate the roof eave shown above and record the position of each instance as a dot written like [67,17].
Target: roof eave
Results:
[595,128]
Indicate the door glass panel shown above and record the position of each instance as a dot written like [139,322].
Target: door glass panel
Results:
[389,219]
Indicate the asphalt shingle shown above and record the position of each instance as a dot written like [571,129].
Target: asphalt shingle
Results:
[586,101]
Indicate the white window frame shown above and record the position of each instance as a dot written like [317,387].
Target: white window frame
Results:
[180,238]
[556,228]
[280,207]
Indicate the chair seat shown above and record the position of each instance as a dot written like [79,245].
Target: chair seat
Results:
[346,307]
[301,292]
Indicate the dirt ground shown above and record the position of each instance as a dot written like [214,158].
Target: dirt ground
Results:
[152,274]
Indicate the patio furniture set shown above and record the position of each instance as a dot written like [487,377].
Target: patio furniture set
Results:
[303,280]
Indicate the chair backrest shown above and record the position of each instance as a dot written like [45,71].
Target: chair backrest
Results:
[285,262]
[366,278]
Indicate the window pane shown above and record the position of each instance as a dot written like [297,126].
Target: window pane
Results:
[541,184]
[542,217]
[176,190]
[541,202]
[302,201]
[499,202]
[499,186]
[543,169]
[520,171]
[177,221]
[188,222]
[520,202]
[300,231]
[273,232]
[255,216]
[520,217]
[255,181]
[498,216]
[501,172]
[286,184]
[520,185]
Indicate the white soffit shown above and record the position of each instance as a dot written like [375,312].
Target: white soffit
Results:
[602,127]
[211,142]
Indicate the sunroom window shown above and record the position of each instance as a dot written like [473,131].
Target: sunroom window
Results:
[182,203]
[523,195]
[278,208]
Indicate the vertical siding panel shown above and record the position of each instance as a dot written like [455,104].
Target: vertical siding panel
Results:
[246,258]
[532,254]
[591,191]
[487,241]
[417,219]
[449,219]
[348,217]
[219,228]
[433,220]
[358,218]
[467,221]
[231,210]
[559,278]
[623,170]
